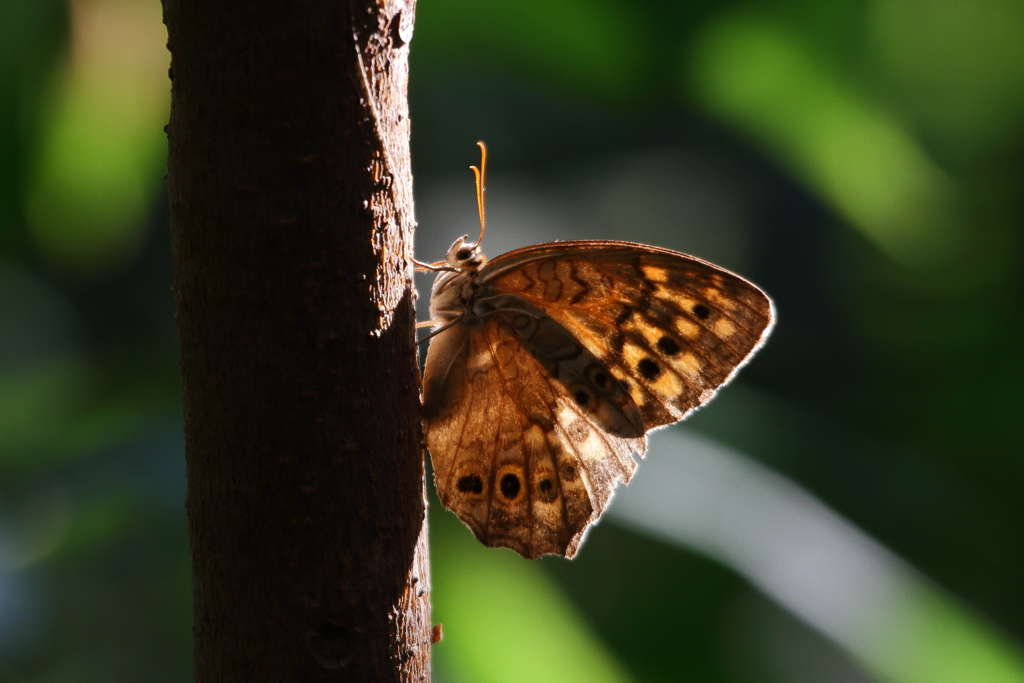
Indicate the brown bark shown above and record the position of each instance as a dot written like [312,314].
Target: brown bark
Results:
[291,212]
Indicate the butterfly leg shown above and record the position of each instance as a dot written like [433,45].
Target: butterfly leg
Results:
[438,330]
[437,266]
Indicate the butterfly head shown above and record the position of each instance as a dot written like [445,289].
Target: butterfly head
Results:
[465,257]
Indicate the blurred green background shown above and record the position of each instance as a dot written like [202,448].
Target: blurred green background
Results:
[849,510]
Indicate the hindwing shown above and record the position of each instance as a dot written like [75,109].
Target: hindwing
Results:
[515,456]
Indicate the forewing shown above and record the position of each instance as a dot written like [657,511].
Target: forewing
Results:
[671,327]
[514,456]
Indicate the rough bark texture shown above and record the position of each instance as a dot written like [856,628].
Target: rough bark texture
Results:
[291,211]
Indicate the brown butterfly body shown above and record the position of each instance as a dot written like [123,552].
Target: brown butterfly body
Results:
[550,364]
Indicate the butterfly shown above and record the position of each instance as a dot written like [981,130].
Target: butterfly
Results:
[548,365]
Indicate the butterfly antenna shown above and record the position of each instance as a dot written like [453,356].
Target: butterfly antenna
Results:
[481,175]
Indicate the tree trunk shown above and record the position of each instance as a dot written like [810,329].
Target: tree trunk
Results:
[291,219]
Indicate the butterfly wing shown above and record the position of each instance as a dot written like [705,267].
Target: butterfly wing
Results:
[671,327]
[515,456]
